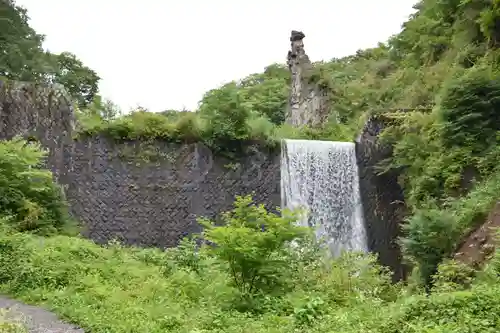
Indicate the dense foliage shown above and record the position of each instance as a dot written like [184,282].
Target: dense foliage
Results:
[195,288]
[259,272]
[23,58]
[253,243]
[29,198]
[250,110]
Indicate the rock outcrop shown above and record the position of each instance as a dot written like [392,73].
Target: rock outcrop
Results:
[383,199]
[44,113]
[309,104]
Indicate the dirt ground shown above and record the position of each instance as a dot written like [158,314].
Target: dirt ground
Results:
[479,246]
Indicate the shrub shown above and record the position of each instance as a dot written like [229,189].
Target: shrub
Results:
[254,244]
[430,235]
[29,199]
[187,255]
[224,130]
[312,309]
[469,109]
[452,276]
[474,311]
[228,115]
[491,272]
[137,125]
[117,289]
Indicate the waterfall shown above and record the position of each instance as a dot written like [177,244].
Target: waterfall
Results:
[322,177]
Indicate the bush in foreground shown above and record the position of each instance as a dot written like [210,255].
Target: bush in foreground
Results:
[254,245]
[120,289]
[193,288]
[474,311]
[30,201]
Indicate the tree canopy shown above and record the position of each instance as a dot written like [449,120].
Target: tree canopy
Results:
[23,57]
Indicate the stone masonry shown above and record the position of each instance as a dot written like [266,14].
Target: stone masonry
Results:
[116,190]
[117,194]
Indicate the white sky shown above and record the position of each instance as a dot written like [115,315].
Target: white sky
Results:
[164,54]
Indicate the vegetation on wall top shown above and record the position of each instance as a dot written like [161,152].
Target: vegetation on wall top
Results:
[250,110]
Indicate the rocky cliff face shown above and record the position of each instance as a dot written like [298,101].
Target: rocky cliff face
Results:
[308,104]
[383,199]
[44,113]
[153,200]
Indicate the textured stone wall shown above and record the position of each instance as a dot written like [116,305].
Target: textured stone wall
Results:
[382,197]
[151,194]
[143,194]
[44,113]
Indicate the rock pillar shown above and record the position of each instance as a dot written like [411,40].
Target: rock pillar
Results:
[309,103]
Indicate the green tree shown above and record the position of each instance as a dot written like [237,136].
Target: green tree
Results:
[469,109]
[30,201]
[267,93]
[22,57]
[430,235]
[79,80]
[254,244]
[21,53]
[226,114]
[100,109]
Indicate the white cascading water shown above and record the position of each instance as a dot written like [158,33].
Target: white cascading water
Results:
[322,177]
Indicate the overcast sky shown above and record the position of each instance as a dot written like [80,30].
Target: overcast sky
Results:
[163,54]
